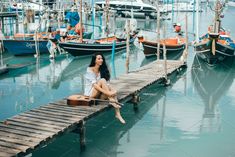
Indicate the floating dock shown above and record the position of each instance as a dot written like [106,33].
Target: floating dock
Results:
[23,133]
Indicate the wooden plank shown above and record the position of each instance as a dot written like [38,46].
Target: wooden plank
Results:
[77,108]
[54,115]
[45,121]
[6,154]
[8,150]
[72,114]
[42,118]
[14,146]
[92,108]
[34,125]
[24,133]
[68,109]
[22,137]
[63,112]
[23,128]
[18,141]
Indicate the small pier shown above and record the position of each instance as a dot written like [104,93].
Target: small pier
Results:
[21,134]
[7,14]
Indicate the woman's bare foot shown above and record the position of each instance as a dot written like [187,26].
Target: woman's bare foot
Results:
[119,117]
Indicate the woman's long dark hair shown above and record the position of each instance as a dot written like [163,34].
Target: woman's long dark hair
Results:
[104,71]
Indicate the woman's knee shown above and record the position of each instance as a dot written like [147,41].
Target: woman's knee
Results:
[102,81]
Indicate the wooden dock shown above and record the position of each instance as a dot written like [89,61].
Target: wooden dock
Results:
[7,14]
[30,130]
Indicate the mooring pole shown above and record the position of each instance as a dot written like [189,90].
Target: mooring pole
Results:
[82,135]
[127,46]
[165,64]
[158,31]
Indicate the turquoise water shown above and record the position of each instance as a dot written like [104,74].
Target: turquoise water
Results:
[194,117]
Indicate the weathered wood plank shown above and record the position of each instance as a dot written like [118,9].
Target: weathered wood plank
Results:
[71,110]
[65,113]
[18,141]
[23,128]
[80,108]
[92,108]
[8,150]
[34,115]
[22,137]
[55,115]
[24,133]
[6,154]
[20,147]
[45,121]
[33,126]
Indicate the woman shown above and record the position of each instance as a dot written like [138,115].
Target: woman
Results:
[96,83]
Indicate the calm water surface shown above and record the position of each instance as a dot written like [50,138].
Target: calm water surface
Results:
[194,117]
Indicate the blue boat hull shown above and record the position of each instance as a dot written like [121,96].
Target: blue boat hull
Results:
[24,47]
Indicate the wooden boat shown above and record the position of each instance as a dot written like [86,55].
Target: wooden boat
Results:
[174,47]
[24,44]
[214,48]
[24,47]
[89,47]
[216,45]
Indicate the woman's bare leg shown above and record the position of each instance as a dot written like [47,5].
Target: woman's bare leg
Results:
[117,110]
[95,93]
[103,84]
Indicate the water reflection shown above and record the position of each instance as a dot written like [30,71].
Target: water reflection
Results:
[29,83]
[211,84]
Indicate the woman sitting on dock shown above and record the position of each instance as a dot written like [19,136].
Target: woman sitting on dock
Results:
[96,83]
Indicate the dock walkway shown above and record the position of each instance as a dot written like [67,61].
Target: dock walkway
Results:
[21,134]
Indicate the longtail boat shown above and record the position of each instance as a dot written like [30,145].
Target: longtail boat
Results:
[24,44]
[174,47]
[216,45]
[89,47]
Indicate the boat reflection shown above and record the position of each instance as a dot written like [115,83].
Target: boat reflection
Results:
[23,88]
[211,84]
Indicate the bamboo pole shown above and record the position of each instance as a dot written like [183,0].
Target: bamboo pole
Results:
[127,46]
[165,60]
[185,53]
[107,18]
[81,32]
[158,31]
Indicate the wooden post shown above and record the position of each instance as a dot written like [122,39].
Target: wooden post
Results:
[127,45]
[158,31]
[81,32]
[165,65]
[185,53]
[107,18]
[2,20]
[82,135]
[17,23]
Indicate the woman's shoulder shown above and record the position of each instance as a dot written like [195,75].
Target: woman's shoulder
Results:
[89,69]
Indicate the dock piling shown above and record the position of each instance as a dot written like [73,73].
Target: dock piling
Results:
[167,82]
[82,131]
